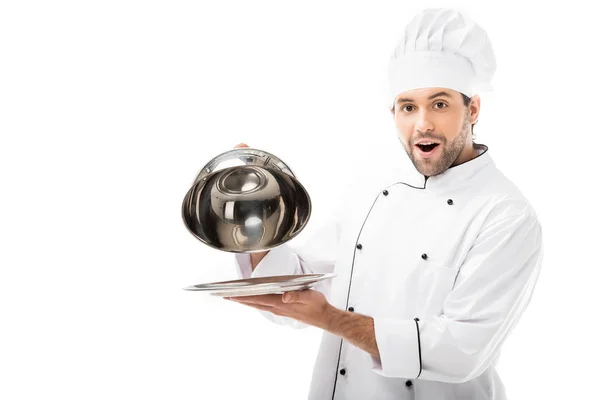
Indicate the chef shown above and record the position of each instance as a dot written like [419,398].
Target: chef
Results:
[434,264]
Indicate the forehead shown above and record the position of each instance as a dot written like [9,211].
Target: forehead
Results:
[426,94]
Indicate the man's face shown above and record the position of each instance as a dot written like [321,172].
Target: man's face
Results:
[434,127]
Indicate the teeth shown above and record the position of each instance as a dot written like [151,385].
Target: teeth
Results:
[426,143]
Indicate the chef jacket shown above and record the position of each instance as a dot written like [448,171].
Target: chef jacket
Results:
[445,265]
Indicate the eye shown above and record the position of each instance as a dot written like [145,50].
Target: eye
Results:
[442,103]
[408,105]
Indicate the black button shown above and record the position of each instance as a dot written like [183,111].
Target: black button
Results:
[408,383]
[385,192]
[450,202]
[359,246]
[343,371]
[351,309]
[424,256]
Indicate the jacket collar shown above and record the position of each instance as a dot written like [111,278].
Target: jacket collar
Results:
[454,176]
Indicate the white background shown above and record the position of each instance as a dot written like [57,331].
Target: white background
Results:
[108,109]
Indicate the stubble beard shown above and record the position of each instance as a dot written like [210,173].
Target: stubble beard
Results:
[449,151]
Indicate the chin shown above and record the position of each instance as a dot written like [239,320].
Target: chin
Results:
[427,169]
[430,167]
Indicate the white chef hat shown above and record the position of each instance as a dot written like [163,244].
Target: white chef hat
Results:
[441,47]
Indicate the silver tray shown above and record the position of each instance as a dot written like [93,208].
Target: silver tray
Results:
[260,285]
[255,291]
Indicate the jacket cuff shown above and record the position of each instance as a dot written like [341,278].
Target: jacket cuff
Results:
[399,348]
[243,265]
[278,261]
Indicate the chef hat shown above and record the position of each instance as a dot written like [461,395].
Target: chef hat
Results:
[441,47]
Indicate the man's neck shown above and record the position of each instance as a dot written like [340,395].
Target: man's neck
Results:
[468,153]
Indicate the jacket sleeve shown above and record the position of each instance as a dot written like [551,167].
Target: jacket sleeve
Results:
[492,289]
[317,255]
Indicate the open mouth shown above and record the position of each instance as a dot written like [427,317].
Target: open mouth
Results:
[427,148]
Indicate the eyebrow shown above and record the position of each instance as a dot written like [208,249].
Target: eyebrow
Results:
[433,96]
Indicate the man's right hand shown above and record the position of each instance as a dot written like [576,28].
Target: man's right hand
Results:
[254,257]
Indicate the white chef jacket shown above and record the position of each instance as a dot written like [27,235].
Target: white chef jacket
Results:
[445,266]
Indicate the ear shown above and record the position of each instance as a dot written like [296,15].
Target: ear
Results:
[474,108]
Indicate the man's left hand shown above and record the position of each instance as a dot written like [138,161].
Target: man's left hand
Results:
[307,306]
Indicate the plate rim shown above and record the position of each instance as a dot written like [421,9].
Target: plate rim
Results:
[260,292]
[298,279]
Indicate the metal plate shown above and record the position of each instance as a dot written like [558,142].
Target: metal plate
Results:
[255,291]
[269,283]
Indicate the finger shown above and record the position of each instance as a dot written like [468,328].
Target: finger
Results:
[289,297]
[253,302]
[262,307]
[240,145]
[272,300]
[297,296]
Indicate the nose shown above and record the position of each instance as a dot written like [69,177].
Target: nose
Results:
[423,123]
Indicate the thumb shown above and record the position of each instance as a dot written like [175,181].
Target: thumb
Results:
[289,297]
[240,145]
[297,296]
